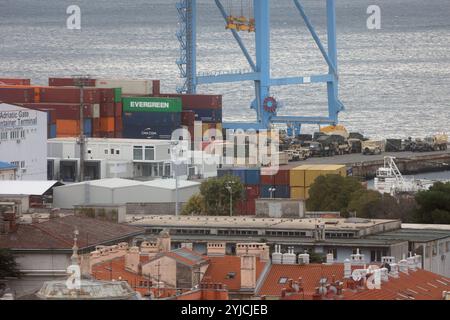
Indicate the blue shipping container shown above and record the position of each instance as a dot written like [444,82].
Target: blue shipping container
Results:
[208,115]
[239,172]
[52,131]
[88,127]
[252,176]
[223,172]
[150,125]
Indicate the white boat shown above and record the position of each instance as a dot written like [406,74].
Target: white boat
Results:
[390,180]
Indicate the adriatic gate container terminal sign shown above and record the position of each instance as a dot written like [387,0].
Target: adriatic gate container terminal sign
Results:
[146,104]
[13,119]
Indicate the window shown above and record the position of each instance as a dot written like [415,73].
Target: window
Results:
[89,151]
[22,134]
[4,135]
[117,151]
[282,280]
[137,153]
[106,151]
[230,275]
[149,153]
[112,151]
[22,164]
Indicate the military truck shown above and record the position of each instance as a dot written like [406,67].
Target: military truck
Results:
[371,147]
[437,142]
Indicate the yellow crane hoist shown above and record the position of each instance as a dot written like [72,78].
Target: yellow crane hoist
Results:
[240,23]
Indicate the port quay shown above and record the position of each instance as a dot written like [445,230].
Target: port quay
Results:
[237,158]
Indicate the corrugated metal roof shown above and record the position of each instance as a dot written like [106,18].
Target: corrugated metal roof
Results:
[21,187]
[120,183]
[170,183]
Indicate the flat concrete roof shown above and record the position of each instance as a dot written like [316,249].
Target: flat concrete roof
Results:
[255,223]
[415,235]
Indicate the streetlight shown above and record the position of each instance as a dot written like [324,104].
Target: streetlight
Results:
[174,145]
[272,190]
[230,190]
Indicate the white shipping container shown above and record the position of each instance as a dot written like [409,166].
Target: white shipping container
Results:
[128,86]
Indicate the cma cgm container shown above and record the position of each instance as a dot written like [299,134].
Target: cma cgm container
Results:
[150,117]
[198,101]
[69,82]
[16,95]
[14,81]
[129,87]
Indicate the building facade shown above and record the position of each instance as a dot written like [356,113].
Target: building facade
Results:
[118,158]
[23,141]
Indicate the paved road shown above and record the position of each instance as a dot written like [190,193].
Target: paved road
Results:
[358,158]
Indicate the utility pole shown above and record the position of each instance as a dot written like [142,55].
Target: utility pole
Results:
[174,145]
[230,190]
[80,81]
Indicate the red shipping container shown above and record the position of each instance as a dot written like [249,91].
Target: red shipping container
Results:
[68,95]
[106,95]
[268,180]
[240,208]
[118,125]
[156,87]
[118,108]
[69,82]
[68,111]
[252,191]
[251,207]
[107,110]
[16,95]
[282,177]
[103,134]
[188,118]
[14,81]
[198,101]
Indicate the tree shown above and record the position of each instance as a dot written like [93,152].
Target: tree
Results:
[366,204]
[434,204]
[195,206]
[332,193]
[216,195]
[8,265]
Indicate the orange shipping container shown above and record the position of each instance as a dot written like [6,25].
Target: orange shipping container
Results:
[67,128]
[107,124]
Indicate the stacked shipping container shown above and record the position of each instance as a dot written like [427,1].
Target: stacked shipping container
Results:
[104,112]
[288,182]
[302,177]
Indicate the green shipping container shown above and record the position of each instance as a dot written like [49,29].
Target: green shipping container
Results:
[146,104]
[117,95]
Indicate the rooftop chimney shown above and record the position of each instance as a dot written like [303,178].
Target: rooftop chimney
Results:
[330,258]
[347,269]
[303,258]
[411,262]
[394,270]
[403,266]
[132,259]
[216,248]
[248,271]
[277,257]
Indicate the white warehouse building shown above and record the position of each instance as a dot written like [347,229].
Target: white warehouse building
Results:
[118,158]
[23,141]
[150,196]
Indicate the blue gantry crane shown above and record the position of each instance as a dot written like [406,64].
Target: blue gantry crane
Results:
[264,103]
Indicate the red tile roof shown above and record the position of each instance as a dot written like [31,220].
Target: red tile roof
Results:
[219,267]
[419,284]
[58,233]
